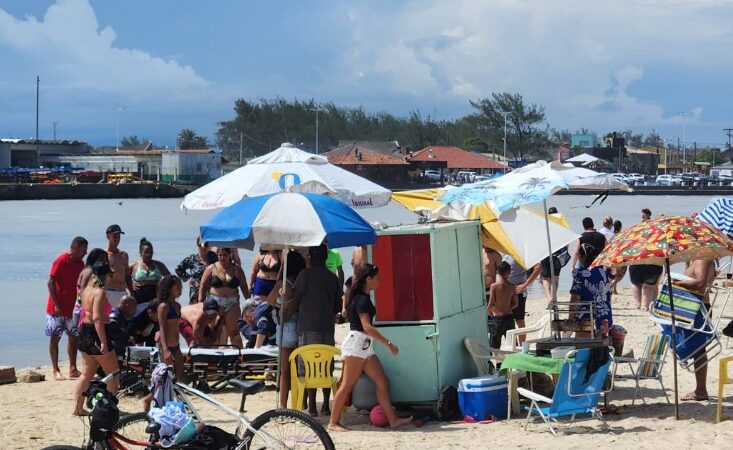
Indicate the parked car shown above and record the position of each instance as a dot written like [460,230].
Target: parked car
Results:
[466,176]
[668,180]
[432,175]
[635,177]
[725,178]
[621,177]
[482,178]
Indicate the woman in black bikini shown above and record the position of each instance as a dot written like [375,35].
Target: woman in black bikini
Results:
[96,349]
[265,270]
[169,311]
[222,282]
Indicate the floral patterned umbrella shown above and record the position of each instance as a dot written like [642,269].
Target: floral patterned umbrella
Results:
[666,240]
[673,238]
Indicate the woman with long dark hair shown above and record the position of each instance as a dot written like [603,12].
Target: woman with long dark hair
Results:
[146,273]
[265,271]
[222,282]
[94,341]
[289,318]
[169,312]
[358,351]
[97,254]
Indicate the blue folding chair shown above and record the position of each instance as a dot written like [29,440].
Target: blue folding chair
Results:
[573,394]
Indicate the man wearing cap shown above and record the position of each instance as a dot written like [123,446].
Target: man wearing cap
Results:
[120,282]
[200,323]
[60,306]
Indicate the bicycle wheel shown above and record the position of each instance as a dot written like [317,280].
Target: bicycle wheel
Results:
[132,426]
[287,428]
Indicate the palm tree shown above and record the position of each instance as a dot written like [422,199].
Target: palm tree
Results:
[186,138]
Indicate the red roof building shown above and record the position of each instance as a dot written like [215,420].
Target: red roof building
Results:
[454,158]
[374,164]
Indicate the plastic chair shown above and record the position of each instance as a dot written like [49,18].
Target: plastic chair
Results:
[318,371]
[538,327]
[725,378]
[648,366]
[573,394]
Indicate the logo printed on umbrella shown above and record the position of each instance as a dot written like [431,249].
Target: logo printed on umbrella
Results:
[286,180]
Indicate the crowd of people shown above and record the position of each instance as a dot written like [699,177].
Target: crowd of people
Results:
[106,303]
[507,282]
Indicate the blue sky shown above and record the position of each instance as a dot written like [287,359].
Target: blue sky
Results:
[174,64]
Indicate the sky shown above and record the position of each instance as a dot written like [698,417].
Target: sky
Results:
[136,67]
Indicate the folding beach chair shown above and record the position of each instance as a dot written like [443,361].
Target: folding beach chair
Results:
[648,366]
[512,343]
[695,335]
[574,394]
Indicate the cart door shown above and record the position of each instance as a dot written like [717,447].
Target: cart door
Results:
[413,374]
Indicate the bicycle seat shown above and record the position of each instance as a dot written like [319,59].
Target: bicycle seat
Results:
[152,428]
[248,387]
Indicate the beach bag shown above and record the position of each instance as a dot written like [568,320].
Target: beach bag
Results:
[563,256]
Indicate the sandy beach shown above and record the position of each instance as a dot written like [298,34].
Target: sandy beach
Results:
[33,416]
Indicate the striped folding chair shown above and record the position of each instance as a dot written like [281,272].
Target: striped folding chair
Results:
[648,366]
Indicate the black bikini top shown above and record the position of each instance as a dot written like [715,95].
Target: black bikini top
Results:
[265,268]
[216,282]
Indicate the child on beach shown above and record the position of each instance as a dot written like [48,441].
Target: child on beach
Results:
[503,298]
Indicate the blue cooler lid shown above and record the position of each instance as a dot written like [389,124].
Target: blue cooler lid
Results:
[482,382]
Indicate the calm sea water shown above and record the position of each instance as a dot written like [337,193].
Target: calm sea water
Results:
[35,232]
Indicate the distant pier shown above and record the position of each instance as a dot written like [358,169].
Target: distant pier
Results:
[91,191]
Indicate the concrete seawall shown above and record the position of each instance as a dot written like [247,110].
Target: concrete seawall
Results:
[90,191]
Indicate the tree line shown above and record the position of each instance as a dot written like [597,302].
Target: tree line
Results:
[262,125]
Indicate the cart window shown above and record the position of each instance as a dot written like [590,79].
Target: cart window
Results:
[405,289]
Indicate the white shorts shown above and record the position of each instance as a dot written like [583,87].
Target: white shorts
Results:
[357,344]
[114,297]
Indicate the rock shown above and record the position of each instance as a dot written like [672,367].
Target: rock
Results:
[31,377]
[7,374]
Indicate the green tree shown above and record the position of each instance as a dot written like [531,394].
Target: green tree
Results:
[711,155]
[188,139]
[522,119]
[132,142]
[653,139]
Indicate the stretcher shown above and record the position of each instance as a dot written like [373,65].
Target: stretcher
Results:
[213,367]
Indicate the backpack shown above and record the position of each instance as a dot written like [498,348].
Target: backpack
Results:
[563,256]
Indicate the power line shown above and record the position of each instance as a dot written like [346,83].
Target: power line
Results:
[728,132]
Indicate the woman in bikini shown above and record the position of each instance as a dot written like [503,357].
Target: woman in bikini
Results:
[222,282]
[169,312]
[146,273]
[265,270]
[94,344]
[358,351]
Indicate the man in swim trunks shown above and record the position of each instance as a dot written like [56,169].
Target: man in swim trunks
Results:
[702,274]
[491,260]
[200,323]
[121,281]
[60,306]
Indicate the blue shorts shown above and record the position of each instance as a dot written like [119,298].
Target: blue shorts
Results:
[290,333]
[56,326]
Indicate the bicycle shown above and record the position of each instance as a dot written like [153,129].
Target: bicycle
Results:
[274,429]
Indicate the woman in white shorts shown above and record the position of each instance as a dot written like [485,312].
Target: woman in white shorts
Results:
[289,316]
[358,351]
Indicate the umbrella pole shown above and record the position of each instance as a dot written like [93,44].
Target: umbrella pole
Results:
[673,339]
[553,293]
[280,330]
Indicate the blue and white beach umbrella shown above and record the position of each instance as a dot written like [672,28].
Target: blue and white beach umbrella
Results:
[719,214]
[288,219]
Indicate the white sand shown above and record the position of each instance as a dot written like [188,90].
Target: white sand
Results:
[33,416]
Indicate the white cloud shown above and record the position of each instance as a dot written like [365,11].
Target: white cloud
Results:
[580,59]
[68,46]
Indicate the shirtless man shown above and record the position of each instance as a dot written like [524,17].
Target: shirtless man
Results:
[357,258]
[503,299]
[702,274]
[120,282]
[491,260]
[200,323]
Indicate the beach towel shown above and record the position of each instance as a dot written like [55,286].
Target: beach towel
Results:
[176,426]
[161,385]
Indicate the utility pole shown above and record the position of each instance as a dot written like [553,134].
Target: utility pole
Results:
[684,116]
[54,129]
[38,91]
[117,110]
[728,131]
[316,109]
[505,114]
[241,147]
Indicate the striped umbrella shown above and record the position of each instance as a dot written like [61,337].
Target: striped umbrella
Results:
[719,214]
